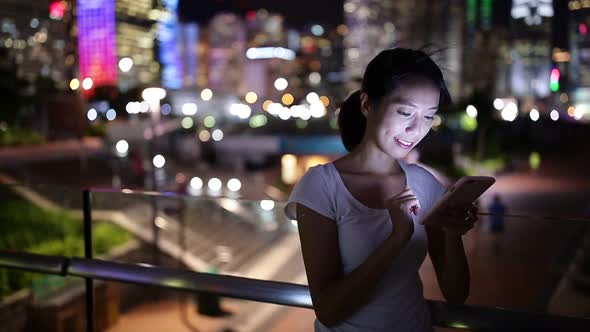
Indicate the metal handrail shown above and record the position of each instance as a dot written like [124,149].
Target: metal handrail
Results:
[443,314]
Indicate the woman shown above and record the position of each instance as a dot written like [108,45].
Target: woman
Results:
[359,217]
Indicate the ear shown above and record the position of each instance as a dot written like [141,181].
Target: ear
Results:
[365,104]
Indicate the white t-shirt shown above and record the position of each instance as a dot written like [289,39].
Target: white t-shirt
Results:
[398,303]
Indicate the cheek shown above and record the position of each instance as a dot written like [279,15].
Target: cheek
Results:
[424,129]
[392,127]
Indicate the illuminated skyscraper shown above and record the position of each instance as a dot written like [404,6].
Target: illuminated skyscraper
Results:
[136,38]
[375,25]
[170,46]
[438,28]
[97,55]
[227,41]
[482,47]
[35,38]
[579,36]
[267,55]
[265,29]
[530,53]
[109,31]
[371,29]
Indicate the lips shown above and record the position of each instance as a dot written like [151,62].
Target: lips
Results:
[403,144]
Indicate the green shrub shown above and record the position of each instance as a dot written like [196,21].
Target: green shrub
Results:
[97,130]
[12,136]
[24,227]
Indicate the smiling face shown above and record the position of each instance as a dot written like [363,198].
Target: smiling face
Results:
[403,118]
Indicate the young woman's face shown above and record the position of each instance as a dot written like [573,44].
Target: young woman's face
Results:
[404,117]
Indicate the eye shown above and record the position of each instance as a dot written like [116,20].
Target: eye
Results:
[404,114]
[429,118]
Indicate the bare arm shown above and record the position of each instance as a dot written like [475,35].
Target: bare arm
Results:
[336,296]
[445,247]
[450,264]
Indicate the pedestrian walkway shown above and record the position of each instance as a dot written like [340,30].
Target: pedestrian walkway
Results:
[63,149]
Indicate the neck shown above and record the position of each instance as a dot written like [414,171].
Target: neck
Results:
[370,159]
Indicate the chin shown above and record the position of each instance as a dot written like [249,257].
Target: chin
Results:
[396,153]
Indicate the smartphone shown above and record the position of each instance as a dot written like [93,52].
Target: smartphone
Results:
[464,192]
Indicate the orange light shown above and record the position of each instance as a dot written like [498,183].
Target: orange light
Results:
[325,100]
[266,104]
[342,29]
[288,99]
[570,111]
[251,97]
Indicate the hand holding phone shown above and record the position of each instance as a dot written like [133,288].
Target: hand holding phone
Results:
[462,194]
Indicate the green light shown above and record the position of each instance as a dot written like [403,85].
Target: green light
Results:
[187,123]
[458,326]
[334,123]
[468,123]
[535,160]
[300,123]
[554,85]
[258,121]
[486,13]
[209,121]
[176,283]
[471,12]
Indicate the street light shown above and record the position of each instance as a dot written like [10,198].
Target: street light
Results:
[471,111]
[214,184]
[234,184]
[125,64]
[159,161]
[122,148]
[281,84]
[87,83]
[153,96]
[267,205]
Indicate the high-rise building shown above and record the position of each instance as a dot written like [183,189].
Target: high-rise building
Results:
[438,28]
[227,43]
[265,29]
[97,49]
[375,25]
[530,51]
[579,38]
[111,30]
[371,29]
[35,37]
[169,37]
[267,55]
[482,45]
[136,27]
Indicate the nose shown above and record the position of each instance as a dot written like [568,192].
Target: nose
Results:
[412,126]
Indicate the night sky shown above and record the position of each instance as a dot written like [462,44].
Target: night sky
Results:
[299,13]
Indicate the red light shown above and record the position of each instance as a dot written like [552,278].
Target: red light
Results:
[554,74]
[583,28]
[251,15]
[57,10]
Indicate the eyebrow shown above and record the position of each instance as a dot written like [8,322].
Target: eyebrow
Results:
[411,104]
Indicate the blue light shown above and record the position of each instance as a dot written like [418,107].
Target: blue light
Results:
[166,109]
[169,47]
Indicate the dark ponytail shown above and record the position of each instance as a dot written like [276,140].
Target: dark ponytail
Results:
[382,76]
[351,121]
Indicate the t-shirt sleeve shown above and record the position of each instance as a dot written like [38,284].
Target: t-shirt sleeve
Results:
[432,188]
[312,191]
[438,190]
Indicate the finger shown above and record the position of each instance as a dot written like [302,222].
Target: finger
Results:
[407,189]
[405,199]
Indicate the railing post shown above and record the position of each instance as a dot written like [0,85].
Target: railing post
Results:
[87,206]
